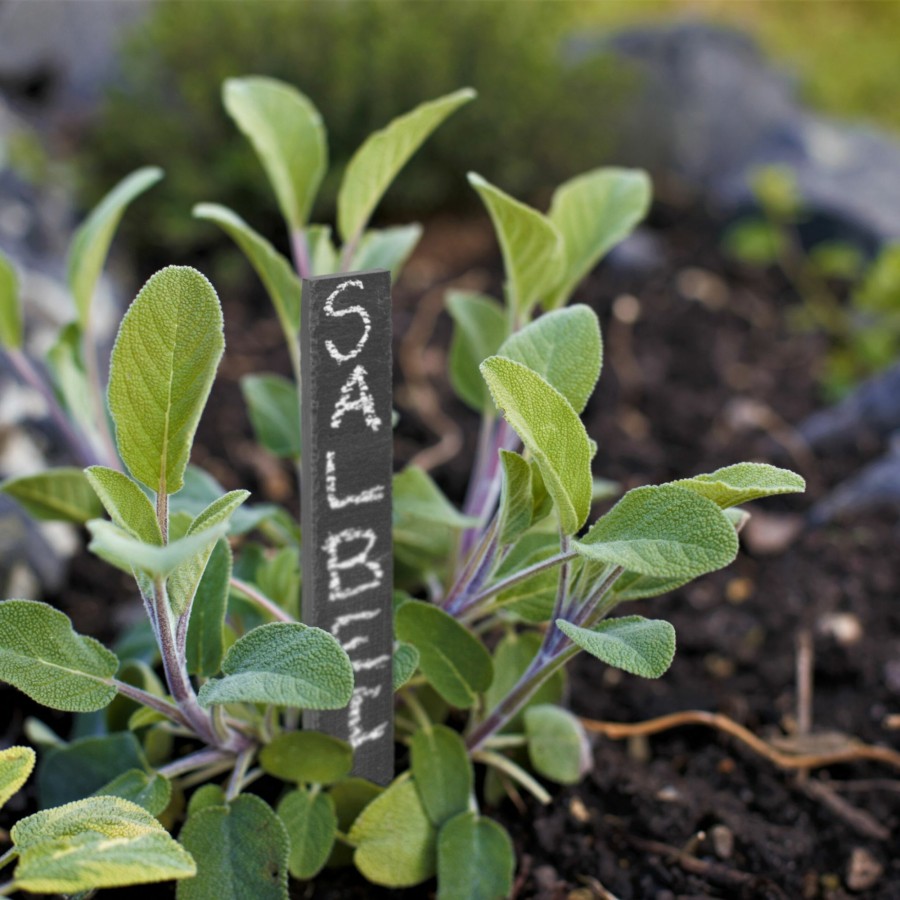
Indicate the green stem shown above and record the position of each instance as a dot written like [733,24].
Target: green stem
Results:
[517,773]
[505,741]
[7,889]
[8,857]
[236,782]
[261,600]
[418,711]
[191,762]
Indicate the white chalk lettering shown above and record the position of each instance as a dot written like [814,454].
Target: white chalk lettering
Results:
[358,737]
[335,565]
[341,622]
[347,311]
[364,402]
[370,495]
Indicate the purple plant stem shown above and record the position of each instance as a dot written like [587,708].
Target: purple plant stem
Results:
[476,572]
[169,710]
[300,250]
[261,600]
[191,762]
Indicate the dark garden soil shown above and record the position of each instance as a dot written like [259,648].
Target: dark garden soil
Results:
[700,371]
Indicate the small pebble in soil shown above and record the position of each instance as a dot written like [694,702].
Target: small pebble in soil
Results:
[739,590]
[703,286]
[845,628]
[668,794]
[578,811]
[722,839]
[627,309]
[863,870]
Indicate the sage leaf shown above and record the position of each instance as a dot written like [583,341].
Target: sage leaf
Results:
[515,498]
[551,430]
[206,795]
[241,851]
[43,657]
[206,628]
[386,248]
[311,823]
[56,495]
[406,661]
[395,841]
[350,798]
[558,745]
[307,757]
[662,531]
[323,256]
[287,133]
[274,271]
[70,382]
[149,790]
[127,505]
[531,245]
[441,771]
[90,245]
[480,327]
[644,647]
[476,860]
[162,368]
[274,410]
[744,482]
[634,586]
[99,842]
[283,664]
[10,305]
[565,348]
[382,155]
[16,764]
[594,212]
[453,660]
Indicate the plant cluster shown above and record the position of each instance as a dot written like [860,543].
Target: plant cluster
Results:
[853,301]
[491,601]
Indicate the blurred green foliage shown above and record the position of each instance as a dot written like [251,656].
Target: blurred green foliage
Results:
[537,120]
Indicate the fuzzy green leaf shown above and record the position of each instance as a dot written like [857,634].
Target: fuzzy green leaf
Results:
[44,658]
[274,413]
[406,661]
[476,860]
[16,764]
[453,660]
[395,841]
[551,430]
[274,271]
[442,772]
[149,790]
[206,628]
[515,498]
[307,757]
[386,248]
[557,743]
[127,505]
[284,664]
[480,328]
[594,212]
[287,133]
[323,255]
[70,381]
[565,348]
[162,368]
[61,495]
[531,245]
[350,796]
[382,155]
[644,647]
[96,843]
[744,482]
[311,824]
[664,531]
[90,245]
[10,305]
[241,851]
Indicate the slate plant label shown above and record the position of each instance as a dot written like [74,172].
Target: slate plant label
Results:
[346,500]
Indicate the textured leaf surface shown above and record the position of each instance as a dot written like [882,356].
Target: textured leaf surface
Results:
[744,482]
[241,851]
[480,327]
[162,368]
[287,133]
[395,841]
[274,413]
[662,531]
[206,629]
[10,305]
[16,764]
[383,154]
[350,797]
[43,657]
[386,248]
[565,348]
[531,245]
[90,245]
[406,661]
[149,790]
[476,860]
[66,367]
[515,497]
[307,757]
[644,647]
[442,772]
[311,824]
[274,271]
[594,212]
[551,430]
[453,660]
[127,505]
[63,495]
[557,743]
[285,664]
